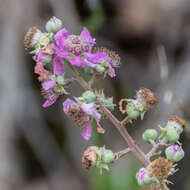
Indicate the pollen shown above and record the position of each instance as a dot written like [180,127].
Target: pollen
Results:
[160,168]
[178,120]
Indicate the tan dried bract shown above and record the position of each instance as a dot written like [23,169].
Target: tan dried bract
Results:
[160,168]
[178,120]
[90,157]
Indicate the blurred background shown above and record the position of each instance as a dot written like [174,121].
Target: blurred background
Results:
[40,149]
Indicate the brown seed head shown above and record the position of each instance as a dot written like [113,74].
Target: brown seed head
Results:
[160,168]
[178,120]
[29,37]
[149,97]
[90,157]
[114,57]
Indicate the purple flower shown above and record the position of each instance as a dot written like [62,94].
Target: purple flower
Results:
[49,85]
[82,114]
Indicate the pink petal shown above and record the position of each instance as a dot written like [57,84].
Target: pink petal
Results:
[87,132]
[79,62]
[60,37]
[59,52]
[51,101]
[57,66]
[111,71]
[95,57]
[86,35]
[67,103]
[48,84]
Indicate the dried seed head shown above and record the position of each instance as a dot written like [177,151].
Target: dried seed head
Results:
[178,120]
[77,45]
[89,157]
[113,58]
[160,168]
[147,96]
[77,115]
[31,37]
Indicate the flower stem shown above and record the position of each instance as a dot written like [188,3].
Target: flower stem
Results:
[119,125]
[122,153]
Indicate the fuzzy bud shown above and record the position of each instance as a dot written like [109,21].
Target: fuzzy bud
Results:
[174,153]
[90,157]
[150,134]
[59,90]
[172,135]
[89,96]
[132,111]
[144,177]
[100,69]
[53,25]
[60,80]
[107,156]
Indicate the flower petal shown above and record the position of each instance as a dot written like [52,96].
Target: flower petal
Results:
[57,66]
[95,57]
[48,84]
[86,35]
[51,101]
[87,132]
[79,62]
[59,52]
[67,103]
[111,71]
[60,37]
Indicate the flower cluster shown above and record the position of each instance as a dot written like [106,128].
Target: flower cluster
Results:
[56,48]
[161,168]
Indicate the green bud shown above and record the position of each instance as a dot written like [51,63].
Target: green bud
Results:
[59,89]
[89,96]
[53,77]
[174,153]
[44,40]
[107,156]
[60,80]
[53,25]
[108,102]
[100,69]
[150,134]
[132,112]
[47,59]
[172,135]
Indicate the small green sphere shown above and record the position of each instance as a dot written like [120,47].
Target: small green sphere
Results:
[89,96]
[150,134]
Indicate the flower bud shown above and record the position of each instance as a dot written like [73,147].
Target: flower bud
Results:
[100,69]
[150,134]
[108,102]
[44,40]
[59,90]
[174,153]
[132,112]
[90,157]
[53,25]
[60,80]
[107,156]
[172,135]
[144,177]
[89,96]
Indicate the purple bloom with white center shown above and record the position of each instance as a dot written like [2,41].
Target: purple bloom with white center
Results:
[174,153]
[82,114]
[143,177]
[49,85]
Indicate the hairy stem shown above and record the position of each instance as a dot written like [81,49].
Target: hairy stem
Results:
[122,153]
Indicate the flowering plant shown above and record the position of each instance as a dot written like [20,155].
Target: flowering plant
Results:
[52,51]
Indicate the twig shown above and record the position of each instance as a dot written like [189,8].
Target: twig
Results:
[122,153]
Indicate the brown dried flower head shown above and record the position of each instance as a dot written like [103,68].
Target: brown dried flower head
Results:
[89,157]
[178,120]
[31,37]
[113,57]
[122,108]
[149,97]
[77,115]
[160,168]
